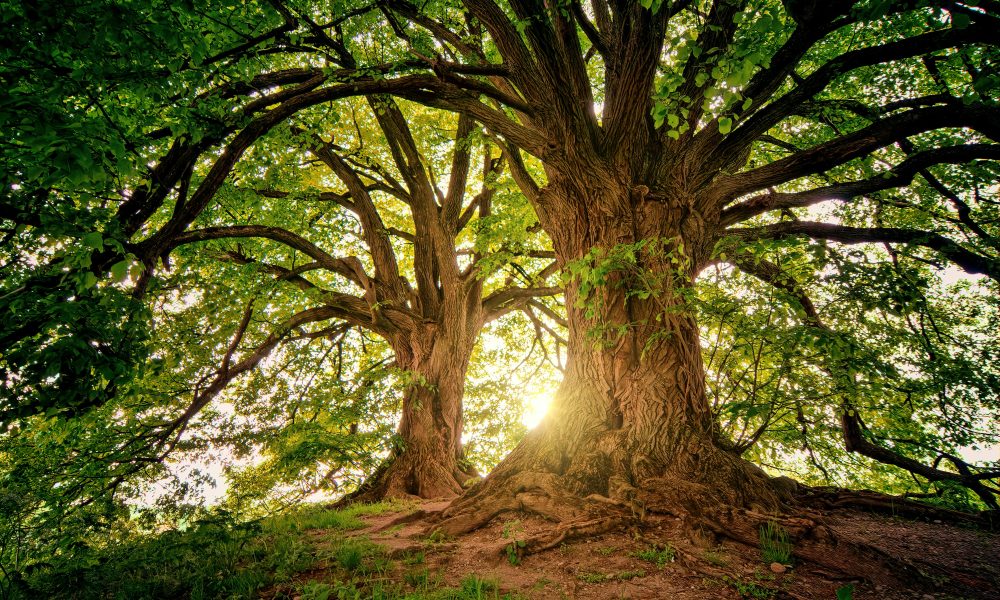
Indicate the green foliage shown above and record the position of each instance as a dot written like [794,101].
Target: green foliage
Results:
[593,577]
[660,556]
[775,544]
[749,589]
[845,592]
[650,270]
[214,556]
[513,530]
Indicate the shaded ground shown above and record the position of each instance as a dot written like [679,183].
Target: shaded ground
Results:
[654,560]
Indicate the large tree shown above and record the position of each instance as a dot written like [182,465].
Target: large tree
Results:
[431,324]
[670,133]
[156,170]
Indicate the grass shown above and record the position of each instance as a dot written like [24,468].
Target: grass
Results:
[749,589]
[714,557]
[216,557]
[626,575]
[597,577]
[660,556]
[775,544]
[592,577]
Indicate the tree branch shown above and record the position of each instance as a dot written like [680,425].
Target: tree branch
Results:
[899,176]
[964,258]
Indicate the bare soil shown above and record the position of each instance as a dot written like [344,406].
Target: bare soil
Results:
[906,559]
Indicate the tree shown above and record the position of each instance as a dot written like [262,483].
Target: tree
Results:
[432,324]
[716,121]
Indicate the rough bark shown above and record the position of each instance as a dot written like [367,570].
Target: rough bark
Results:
[630,424]
[428,460]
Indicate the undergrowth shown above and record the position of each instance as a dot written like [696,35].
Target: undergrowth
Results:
[218,557]
[775,544]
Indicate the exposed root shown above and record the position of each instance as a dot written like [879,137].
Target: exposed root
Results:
[897,506]
[573,530]
[816,544]
[416,515]
[536,493]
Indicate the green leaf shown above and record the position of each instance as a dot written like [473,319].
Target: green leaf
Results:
[94,240]
[725,125]
[119,270]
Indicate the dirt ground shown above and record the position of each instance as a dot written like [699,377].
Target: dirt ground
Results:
[928,561]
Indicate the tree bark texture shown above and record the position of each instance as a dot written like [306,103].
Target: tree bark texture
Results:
[428,460]
[631,423]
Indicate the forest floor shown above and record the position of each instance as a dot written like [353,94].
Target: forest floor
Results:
[654,560]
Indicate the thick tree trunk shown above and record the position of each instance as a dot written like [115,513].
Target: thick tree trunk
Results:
[428,461]
[630,424]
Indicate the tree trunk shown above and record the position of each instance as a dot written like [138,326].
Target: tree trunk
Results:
[630,424]
[428,460]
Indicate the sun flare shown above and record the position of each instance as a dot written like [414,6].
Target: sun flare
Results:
[536,405]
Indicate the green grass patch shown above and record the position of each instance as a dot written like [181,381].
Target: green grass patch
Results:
[775,544]
[749,589]
[215,557]
[659,555]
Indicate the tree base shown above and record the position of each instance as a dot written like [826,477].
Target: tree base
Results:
[410,475]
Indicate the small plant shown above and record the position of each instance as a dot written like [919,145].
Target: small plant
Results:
[316,590]
[512,530]
[749,589]
[380,566]
[416,558]
[656,555]
[474,586]
[606,550]
[437,537]
[775,545]
[846,592]
[592,577]
[513,551]
[350,557]
[417,579]
[626,575]
[715,558]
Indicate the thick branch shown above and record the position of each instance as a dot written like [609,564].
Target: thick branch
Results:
[966,259]
[349,268]
[827,155]
[770,115]
[899,176]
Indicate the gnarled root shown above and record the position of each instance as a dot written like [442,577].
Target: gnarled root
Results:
[830,498]
[408,475]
